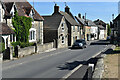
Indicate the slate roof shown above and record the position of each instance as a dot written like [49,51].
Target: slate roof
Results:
[8,6]
[5,29]
[90,22]
[23,8]
[100,26]
[69,18]
[53,21]
[100,22]
[80,20]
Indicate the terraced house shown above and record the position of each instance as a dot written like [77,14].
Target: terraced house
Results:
[24,9]
[70,29]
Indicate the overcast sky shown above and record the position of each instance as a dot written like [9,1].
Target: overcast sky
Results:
[94,10]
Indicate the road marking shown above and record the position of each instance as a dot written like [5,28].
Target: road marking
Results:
[71,72]
[34,59]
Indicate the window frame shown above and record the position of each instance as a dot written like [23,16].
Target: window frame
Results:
[32,36]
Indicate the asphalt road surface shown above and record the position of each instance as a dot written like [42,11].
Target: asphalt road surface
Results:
[55,64]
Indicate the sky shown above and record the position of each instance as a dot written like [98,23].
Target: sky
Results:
[94,10]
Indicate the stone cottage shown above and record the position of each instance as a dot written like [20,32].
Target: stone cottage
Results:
[73,26]
[55,29]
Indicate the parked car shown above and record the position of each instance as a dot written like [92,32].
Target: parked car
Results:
[79,44]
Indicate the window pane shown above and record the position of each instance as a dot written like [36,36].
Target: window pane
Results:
[31,35]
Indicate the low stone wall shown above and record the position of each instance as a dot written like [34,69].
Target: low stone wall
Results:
[34,49]
[44,47]
[26,51]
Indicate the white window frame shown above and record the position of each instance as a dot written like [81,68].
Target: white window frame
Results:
[33,34]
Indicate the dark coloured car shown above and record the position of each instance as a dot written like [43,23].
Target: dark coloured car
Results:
[79,44]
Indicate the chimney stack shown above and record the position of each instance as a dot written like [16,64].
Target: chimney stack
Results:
[83,17]
[56,8]
[67,9]
[79,15]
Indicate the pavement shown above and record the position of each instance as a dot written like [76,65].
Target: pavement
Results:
[54,64]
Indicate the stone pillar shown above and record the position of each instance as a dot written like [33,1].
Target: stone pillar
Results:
[11,52]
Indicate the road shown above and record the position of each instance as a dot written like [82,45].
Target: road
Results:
[54,64]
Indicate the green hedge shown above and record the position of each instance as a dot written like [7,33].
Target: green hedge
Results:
[22,44]
[2,47]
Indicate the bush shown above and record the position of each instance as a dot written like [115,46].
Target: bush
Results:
[22,44]
[2,47]
[14,44]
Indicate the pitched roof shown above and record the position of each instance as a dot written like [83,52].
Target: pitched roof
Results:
[100,26]
[80,20]
[100,22]
[53,21]
[23,9]
[5,30]
[90,22]
[69,18]
[8,6]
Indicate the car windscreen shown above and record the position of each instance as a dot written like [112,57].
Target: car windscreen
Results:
[78,41]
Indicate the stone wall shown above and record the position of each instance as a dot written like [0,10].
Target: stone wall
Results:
[44,47]
[26,51]
[34,49]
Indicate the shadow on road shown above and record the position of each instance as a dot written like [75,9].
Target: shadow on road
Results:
[111,51]
[100,42]
[72,65]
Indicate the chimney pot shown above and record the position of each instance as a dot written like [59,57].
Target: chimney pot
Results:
[83,17]
[79,15]
[56,8]
[67,9]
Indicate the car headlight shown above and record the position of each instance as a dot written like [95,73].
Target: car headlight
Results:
[80,44]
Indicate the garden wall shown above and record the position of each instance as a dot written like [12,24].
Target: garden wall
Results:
[34,49]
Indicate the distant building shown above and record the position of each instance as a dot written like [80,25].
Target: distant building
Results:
[102,26]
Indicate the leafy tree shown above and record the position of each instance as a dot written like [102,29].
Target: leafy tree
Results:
[22,25]
[108,30]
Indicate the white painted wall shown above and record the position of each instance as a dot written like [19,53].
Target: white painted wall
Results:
[94,30]
[102,33]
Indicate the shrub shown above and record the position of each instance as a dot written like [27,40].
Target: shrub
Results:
[14,44]
[23,44]
[2,47]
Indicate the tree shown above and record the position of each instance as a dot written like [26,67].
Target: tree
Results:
[22,25]
[108,30]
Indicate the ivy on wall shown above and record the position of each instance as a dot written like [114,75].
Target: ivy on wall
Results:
[22,25]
